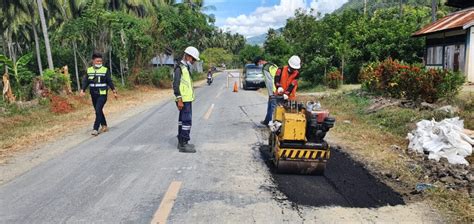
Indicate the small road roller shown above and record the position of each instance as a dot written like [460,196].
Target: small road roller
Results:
[297,137]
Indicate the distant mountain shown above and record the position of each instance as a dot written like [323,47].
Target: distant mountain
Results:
[260,39]
[257,40]
[375,4]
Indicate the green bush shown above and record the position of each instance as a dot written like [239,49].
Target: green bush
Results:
[159,77]
[55,81]
[399,80]
[197,75]
[145,77]
[450,84]
[118,83]
[162,77]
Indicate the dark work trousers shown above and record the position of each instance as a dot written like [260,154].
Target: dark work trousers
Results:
[185,122]
[272,102]
[98,101]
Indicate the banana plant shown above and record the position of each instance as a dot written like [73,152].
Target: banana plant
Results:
[20,70]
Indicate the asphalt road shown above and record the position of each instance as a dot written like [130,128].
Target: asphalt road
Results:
[135,174]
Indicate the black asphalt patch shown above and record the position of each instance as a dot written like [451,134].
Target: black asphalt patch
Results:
[345,183]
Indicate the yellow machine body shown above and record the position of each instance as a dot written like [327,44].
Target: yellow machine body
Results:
[291,151]
[293,127]
[279,112]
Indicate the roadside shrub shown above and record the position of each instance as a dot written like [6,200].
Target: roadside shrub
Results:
[450,84]
[118,83]
[162,77]
[413,82]
[334,79]
[197,75]
[144,77]
[55,81]
[159,77]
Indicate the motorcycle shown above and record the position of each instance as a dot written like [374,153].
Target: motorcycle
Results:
[209,79]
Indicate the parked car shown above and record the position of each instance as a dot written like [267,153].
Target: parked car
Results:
[252,77]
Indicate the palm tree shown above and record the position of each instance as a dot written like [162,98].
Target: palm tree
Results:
[45,34]
[28,6]
[62,11]
[14,26]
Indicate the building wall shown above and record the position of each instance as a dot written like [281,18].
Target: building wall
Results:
[452,50]
[469,70]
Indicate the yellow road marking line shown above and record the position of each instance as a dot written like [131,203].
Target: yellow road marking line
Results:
[161,215]
[208,113]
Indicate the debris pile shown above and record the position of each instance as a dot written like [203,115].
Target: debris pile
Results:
[444,139]
[441,173]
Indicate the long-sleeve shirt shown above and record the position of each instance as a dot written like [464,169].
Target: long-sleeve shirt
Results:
[177,79]
[108,80]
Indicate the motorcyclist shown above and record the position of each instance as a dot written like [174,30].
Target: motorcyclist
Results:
[209,77]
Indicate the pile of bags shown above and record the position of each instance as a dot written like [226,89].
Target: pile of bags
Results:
[442,139]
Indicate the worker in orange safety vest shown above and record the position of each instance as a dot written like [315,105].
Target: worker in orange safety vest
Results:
[286,78]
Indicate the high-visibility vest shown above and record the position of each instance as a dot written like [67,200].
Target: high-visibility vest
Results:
[186,88]
[269,71]
[97,79]
[286,80]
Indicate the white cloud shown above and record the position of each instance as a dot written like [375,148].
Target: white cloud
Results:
[263,18]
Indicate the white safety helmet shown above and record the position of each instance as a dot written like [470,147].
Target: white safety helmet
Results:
[193,52]
[294,62]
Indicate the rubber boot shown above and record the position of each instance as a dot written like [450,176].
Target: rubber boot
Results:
[186,148]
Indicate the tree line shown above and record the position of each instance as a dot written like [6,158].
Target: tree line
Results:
[346,40]
[50,34]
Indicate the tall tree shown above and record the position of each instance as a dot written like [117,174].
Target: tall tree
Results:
[45,33]
[28,6]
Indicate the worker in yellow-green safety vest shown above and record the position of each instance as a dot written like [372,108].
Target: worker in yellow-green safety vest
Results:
[269,71]
[184,92]
[99,80]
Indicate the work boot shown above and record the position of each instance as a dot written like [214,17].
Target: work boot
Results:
[95,133]
[104,128]
[191,145]
[186,148]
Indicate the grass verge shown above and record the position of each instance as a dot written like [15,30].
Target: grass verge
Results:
[371,138]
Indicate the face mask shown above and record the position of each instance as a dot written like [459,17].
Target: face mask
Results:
[98,65]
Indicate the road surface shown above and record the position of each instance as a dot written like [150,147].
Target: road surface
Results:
[135,174]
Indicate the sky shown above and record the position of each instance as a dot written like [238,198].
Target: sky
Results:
[255,17]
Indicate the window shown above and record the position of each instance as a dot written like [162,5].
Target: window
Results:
[454,57]
[434,55]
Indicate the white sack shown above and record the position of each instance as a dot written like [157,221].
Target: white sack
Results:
[442,139]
